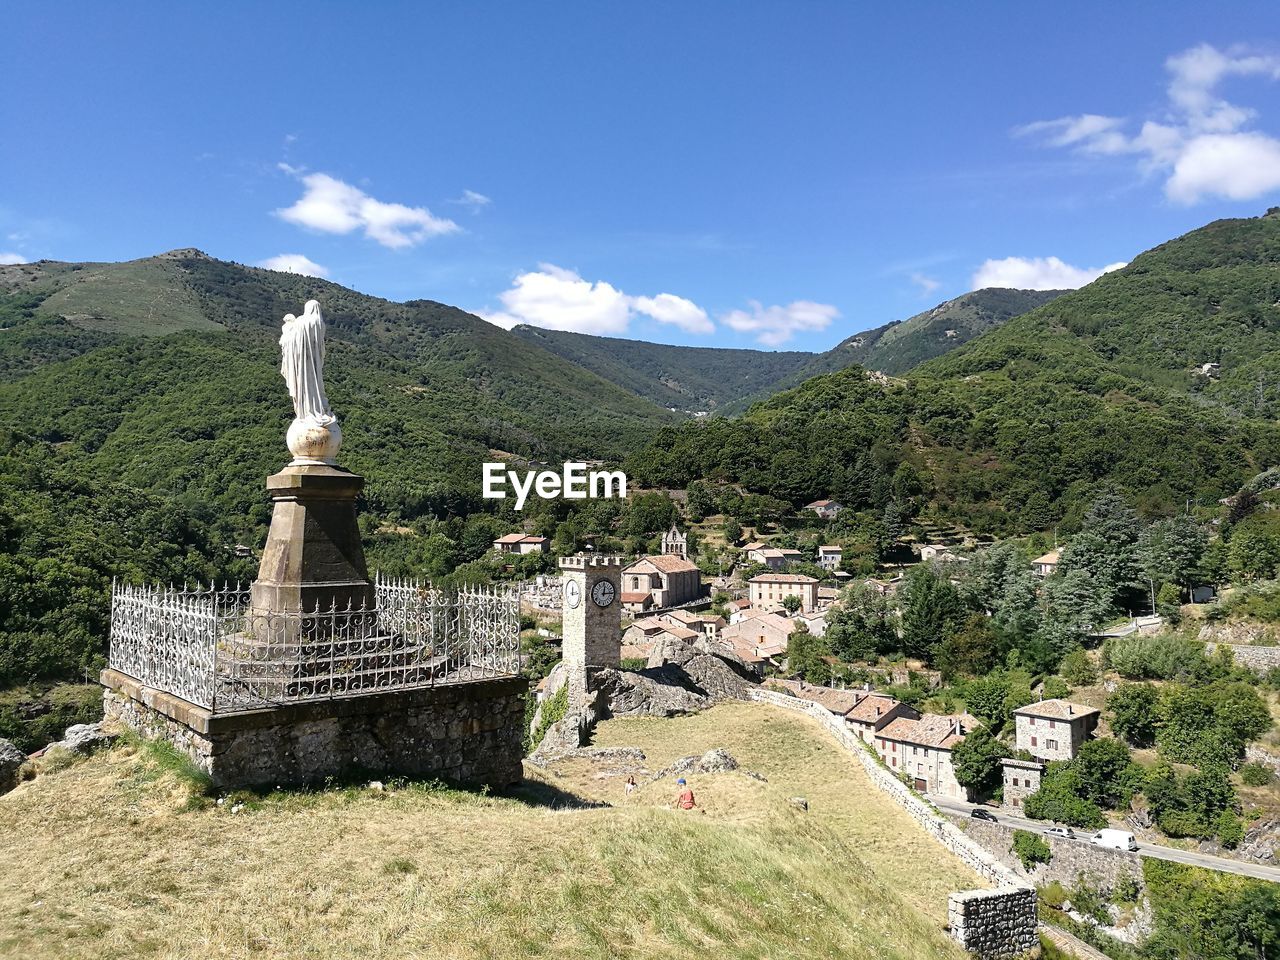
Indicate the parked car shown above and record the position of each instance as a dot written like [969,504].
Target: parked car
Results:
[1066,833]
[1115,840]
[977,813]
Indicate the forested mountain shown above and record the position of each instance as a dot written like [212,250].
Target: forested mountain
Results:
[728,380]
[680,378]
[1016,430]
[899,346]
[162,370]
[1210,296]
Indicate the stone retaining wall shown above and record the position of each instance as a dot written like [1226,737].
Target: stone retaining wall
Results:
[471,733]
[992,924]
[1259,659]
[1071,858]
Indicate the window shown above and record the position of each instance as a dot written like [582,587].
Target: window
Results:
[1051,744]
[1032,720]
[1033,741]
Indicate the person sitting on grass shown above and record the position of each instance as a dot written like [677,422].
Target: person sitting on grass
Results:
[685,801]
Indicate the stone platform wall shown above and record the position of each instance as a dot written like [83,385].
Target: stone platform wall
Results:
[468,733]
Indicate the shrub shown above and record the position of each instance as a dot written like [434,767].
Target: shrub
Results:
[1256,774]
[1030,848]
[1077,668]
[1053,895]
[1127,890]
[1056,688]
[1229,829]
[552,710]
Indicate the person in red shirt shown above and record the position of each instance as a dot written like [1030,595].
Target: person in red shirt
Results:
[685,801]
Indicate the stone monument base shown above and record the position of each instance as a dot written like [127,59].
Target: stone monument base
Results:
[469,732]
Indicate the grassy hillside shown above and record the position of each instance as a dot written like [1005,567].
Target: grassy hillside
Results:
[681,378]
[112,857]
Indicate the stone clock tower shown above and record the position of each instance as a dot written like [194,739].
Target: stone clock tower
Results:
[592,611]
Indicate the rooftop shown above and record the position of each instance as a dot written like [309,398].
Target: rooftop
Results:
[1056,710]
[782,578]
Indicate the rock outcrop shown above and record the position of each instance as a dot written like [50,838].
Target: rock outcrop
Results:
[11,761]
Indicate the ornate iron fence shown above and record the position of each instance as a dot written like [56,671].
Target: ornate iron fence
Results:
[210,647]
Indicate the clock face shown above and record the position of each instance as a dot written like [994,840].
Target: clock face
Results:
[572,594]
[603,592]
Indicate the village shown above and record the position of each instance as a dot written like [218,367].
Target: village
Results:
[764,616]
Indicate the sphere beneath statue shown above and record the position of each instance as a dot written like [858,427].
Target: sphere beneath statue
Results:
[310,442]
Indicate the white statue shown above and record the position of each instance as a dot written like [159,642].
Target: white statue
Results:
[314,435]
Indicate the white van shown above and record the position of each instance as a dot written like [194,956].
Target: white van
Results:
[1115,839]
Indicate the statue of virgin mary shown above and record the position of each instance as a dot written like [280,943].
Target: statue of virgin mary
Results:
[302,366]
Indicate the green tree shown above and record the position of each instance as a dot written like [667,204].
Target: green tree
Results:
[791,603]
[862,625]
[975,761]
[971,651]
[806,655]
[931,612]
[1060,798]
[1077,669]
[1030,848]
[1134,713]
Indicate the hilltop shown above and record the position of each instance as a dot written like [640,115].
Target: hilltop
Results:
[423,870]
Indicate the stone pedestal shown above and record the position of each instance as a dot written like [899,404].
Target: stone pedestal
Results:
[313,559]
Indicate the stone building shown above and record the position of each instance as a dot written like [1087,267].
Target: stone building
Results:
[921,749]
[829,557]
[658,582]
[759,639]
[1054,729]
[520,543]
[1021,780]
[874,712]
[768,590]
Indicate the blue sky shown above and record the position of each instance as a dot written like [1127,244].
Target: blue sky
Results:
[736,173]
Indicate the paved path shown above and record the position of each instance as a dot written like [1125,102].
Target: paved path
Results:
[1070,944]
[1158,851]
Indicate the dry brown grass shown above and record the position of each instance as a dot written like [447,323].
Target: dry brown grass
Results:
[110,858]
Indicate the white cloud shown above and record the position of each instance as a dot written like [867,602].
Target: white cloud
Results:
[926,283]
[295,263]
[7,259]
[668,308]
[1237,166]
[333,206]
[776,325]
[1199,143]
[474,200]
[1036,273]
[559,299]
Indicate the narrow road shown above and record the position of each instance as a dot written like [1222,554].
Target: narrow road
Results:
[1190,857]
